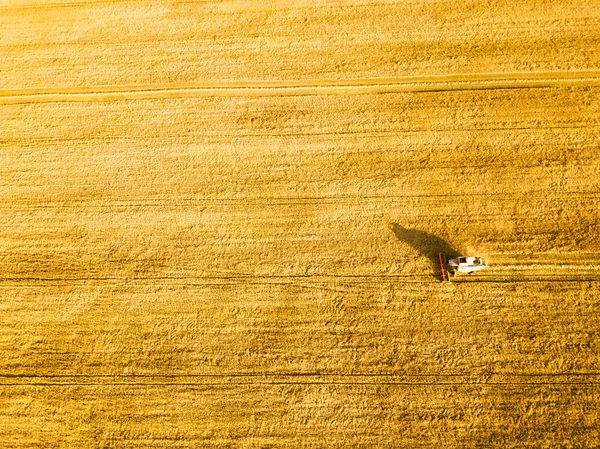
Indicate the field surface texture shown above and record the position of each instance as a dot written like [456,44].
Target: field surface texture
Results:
[219,224]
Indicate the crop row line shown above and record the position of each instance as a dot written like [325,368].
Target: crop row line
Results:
[241,379]
[441,83]
[285,201]
[303,282]
[299,134]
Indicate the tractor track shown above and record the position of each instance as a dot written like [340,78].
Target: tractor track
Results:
[442,83]
[200,137]
[208,280]
[92,3]
[302,281]
[290,201]
[512,380]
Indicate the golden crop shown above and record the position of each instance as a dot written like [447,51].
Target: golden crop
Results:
[219,224]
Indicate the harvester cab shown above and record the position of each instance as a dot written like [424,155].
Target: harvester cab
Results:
[467,264]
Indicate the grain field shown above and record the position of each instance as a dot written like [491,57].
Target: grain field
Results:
[219,223]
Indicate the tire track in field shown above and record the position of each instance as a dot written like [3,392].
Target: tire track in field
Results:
[301,281]
[441,83]
[204,202]
[298,280]
[48,140]
[517,380]
[93,3]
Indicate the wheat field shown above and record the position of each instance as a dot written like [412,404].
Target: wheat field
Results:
[220,219]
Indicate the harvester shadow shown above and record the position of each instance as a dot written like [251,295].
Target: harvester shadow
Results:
[427,245]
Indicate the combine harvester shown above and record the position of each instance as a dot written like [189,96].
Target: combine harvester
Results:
[460,265]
